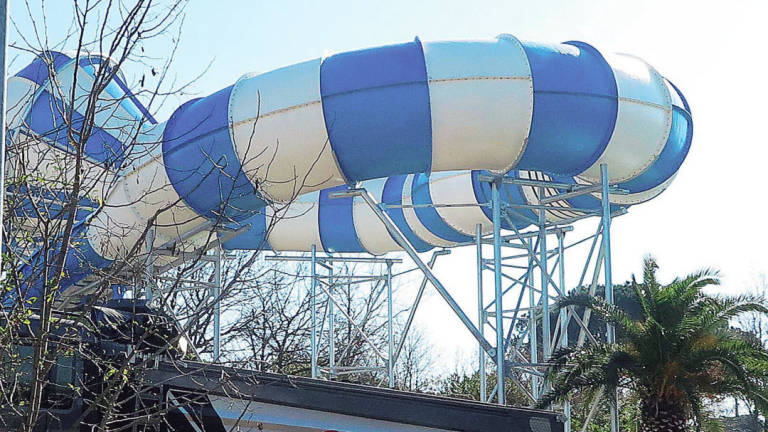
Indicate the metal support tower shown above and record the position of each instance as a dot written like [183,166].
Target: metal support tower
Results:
[529,277]
[201,266]
[527,257]
[524,266]
[333,310]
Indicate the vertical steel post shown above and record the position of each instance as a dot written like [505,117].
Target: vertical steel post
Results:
[331,328]
[498,291]
[533,330]
[149,273]
[3,66]
[216,292]
[480,310]
[610,330]
[313,313]
[563,316]
[390,329]
[545,319]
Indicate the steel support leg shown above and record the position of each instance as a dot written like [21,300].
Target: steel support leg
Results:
[216,293]
[611,331]
[150,266]
[313,313]
[545,318]
[533,335]
[480,309]
[498,291]
[390,329]
[331,328]
[563,317]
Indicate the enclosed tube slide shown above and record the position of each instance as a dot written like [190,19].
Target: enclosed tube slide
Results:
[416,123]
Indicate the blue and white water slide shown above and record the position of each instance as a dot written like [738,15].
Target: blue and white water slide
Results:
[416,123]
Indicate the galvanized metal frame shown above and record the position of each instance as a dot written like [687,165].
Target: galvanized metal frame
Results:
[209,256]
[517,259]
[526,371]
[327,283]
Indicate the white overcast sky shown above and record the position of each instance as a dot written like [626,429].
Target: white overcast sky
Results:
[715,51]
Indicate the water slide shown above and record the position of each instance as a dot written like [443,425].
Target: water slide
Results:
[415,123]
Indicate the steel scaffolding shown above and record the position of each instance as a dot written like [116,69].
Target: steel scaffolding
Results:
[529,278]
[322,297]
[532,274]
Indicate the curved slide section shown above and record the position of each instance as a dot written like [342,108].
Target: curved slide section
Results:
[385,116]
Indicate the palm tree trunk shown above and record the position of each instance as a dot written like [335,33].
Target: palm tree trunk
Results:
[661,415]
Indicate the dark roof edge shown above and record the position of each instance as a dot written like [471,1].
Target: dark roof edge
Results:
[349,399]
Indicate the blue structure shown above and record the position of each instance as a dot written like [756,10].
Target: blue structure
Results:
[415,124]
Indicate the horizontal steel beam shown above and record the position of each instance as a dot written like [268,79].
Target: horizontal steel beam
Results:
[335,259]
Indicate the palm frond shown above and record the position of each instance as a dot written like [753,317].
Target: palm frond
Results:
[717,312]
[609,313]
[597,365]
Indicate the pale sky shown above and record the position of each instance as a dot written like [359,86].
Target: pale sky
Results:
[712,215]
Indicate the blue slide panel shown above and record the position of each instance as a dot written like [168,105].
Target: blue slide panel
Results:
[201,162]
[46,120]
[81,260]
[509,194]
[393,195]
[376,108]
[49,203]
[428,216]
[254,238]
[38,71]
[670,159]
[337,226]
[574,107]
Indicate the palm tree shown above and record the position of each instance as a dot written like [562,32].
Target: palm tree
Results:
[679,356]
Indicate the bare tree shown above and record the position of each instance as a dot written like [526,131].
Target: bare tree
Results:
[55,186]
[64,168]
[59,343]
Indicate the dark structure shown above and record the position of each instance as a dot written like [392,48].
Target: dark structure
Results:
[177,395]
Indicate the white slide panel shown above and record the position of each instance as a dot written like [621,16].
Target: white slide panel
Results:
[481,98]
[371,232]
[109,112]
[56,165]
[134,199]
[277,125]
[18,97]
[296,227]
[643,121]
[413,221]
[641,197]
[456,188]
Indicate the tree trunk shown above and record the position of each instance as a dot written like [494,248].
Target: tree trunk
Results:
[663,416]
